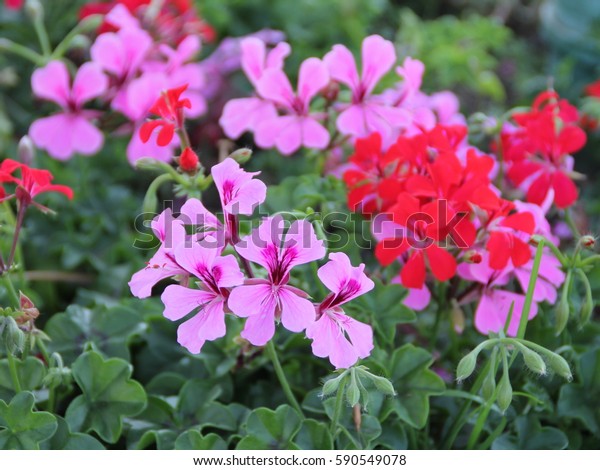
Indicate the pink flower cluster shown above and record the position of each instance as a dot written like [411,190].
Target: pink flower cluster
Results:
[211,283]
[284,118]
[127,72]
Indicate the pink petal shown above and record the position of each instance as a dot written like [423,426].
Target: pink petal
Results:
[296,312]
[301,244]
[275,86]
[137,149]
[378,57]
[194,258]
[339,275]
[253,58]
[179,301]
[141,94]
[169,230]
[159,267]
[277,55]
[268,131]
[239,192]
[244,114]
[493,309]
[89,83]
[314,135]
[342,66]
[52,83]
[411,71]
[313,77]
[352,121]
[207,325]
[253,299]
[360,334]
[193,212]
[86,138]
[417,299]
[226,271]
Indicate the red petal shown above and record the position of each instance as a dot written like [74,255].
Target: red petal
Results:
[565,191]
[165,136]
[520,253]
[571,139]
[539,189]
[147,129]
[413,272]
[523,221]
[387,251]
[498,247]
[441,263]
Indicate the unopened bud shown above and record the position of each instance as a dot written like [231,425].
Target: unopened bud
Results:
[26,150]
[241,155]
[357,417]
[331,386]
[559,365]
[466,366]
[588,241]
[457,317]
[489,384]
[352,392]
[586,309]
[473,257]
[28,309]
[189,161]
[80,41]
[383,385]
[35,10]
[331,91]
[505,392]
[534,361]
[14,337]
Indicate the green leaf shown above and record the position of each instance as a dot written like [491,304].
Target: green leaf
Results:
[109,394]
[109,329]
[531,436]
[579,401]
[21,427]
[268,429]
[193,440]
[31,373]
[64,439]
[314,435]
[414,383]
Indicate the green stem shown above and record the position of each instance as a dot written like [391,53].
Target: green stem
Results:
[287,390]
[530,288]
[571,223]
[43,350]
[339,405]
[13,370]
[22,51]
[42,34]
[10,289]
[589,260]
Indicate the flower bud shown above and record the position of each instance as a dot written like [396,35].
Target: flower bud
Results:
[189,161]
[473,257]
[533,361]
[559,365]
[505,392]
[14,337]
[383,385]
[352,392]
[489,384]
[586,310]
[241,155]
[35,10]
[331,386]
[457,317]
[357,417]
[26,150]
[588,241]
[466,366]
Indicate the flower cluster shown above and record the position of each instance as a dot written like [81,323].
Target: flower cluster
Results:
[537,150]
[223,288]
[282,118]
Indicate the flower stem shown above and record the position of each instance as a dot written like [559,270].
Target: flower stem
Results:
[13,370]
[272,352]
[339,405]
[10,289]
[19,224]
[530,289]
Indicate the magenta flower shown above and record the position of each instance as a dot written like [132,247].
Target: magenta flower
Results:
[240,193]
[366,113]
[298,127]
[70,131]
[265,301]
[171,233]
[216,273]
[335,334]
[244,114]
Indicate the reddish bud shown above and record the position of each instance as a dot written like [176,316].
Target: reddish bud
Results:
[588,241]
[473,257]
[188,161]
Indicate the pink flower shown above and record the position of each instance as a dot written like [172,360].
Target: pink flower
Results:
[265,301]
[240,193]
[216,273]
[297,128]
[70,131]
[334,334]
[366,113]
[244,114]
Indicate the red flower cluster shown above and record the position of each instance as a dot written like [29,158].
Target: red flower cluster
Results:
[170,108]
[438,197]
[538,150]
[176,19]
[31,183]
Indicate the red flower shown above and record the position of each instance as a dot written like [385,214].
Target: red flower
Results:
[504,243]
[170,108]
[31,183]
[13,4]
[593,89]
[538,152]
